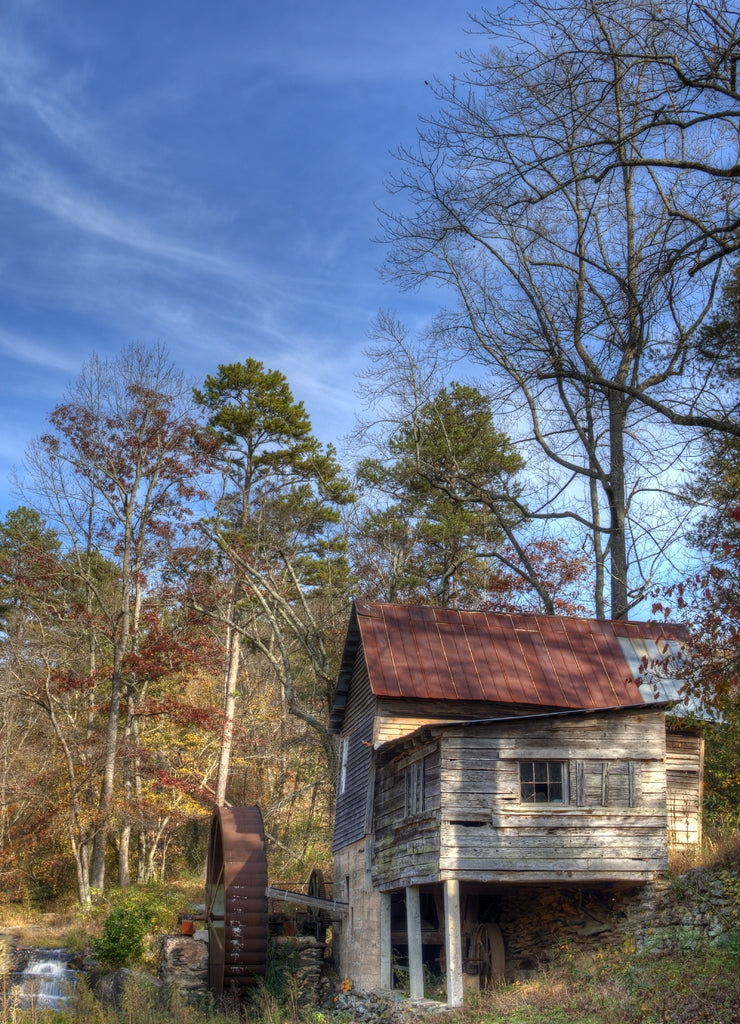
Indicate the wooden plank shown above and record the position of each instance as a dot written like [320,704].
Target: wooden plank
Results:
[453,943]
[386,951]
[413,929]
[306,901]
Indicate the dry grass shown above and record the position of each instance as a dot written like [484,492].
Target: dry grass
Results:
[51,930]
[717,851]
[71,927]
[702,988]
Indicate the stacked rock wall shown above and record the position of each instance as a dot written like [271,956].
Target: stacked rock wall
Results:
[680,912]
[183,965]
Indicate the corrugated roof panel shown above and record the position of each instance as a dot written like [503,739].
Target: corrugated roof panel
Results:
[379,648]
[595,668]
[405,655]
[536,660]
[592,665]
[536,654]
[617,675]
[607,674]
[573,687]
[435,681]
[463,670]
[492,679]
[521,685]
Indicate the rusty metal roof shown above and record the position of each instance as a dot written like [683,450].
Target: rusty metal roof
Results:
[540,661]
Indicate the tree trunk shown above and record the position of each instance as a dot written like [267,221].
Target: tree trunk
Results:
[616,495]
[231,675]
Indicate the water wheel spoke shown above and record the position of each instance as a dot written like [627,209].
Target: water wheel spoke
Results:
[488,950]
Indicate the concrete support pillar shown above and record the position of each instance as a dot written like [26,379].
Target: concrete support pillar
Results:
[413,929]
[453,943]
[386,967]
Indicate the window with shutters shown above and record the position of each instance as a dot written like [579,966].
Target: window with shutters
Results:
[607,783]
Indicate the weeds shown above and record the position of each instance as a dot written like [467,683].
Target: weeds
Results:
[701,988]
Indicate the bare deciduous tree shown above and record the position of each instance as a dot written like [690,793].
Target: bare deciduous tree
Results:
[576,193]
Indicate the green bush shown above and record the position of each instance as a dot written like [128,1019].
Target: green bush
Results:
[134,914]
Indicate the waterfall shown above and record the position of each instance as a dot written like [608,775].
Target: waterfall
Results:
[46,981]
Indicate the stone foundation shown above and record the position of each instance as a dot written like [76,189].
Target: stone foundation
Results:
[183,965]
[669,913]
[304,957]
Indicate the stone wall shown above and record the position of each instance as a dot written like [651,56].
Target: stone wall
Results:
[356,941]
[183,965]
[671,912]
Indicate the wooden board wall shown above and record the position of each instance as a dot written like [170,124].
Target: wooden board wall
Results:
[685,773]
[406,849]
[353,811]
[476,826]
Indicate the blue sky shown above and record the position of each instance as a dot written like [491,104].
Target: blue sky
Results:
[203,175]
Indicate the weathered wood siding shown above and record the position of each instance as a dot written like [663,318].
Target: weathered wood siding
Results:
[406,850]
[611,826]
[685,773]
[399,717]
[477,827]
[354,797]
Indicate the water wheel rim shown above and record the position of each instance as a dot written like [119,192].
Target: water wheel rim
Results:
[236,882]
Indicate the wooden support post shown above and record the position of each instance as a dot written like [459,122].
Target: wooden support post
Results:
[413,930]
[453,943]
[386,967]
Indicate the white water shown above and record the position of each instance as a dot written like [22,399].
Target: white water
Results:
[47,982]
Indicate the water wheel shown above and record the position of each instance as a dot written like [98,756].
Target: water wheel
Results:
[317,888]
[488,951]
[316,884]
[236,903]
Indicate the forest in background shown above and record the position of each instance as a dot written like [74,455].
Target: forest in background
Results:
[175,581]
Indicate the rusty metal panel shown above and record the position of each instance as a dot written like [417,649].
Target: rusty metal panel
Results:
[435,681]
[586,665]
[523,687]
[493,683]
[379,656]
[552,686]
[616,666]
[560,652]
[536,660]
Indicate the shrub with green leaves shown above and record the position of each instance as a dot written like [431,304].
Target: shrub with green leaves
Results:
[135,912]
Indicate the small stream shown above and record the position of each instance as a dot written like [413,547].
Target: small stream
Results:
[43,978]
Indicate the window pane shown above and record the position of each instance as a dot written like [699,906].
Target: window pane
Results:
[542,782]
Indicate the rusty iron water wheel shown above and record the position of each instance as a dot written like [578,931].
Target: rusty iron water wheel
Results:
[236,902]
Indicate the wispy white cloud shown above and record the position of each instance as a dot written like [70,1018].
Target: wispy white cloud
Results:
[216,197]
[23,349]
